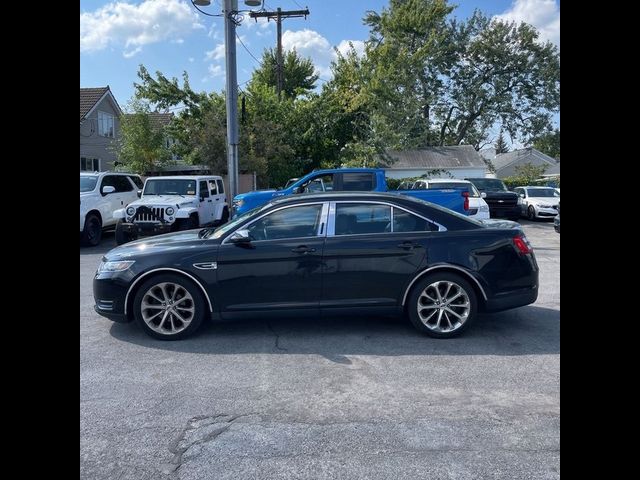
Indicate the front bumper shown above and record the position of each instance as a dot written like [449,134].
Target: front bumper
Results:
[109,293]
[146,228]
[500,211]
[546,212]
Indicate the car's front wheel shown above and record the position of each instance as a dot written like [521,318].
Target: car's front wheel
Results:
[442,305]
[92,231]
[169,307]
[531,213]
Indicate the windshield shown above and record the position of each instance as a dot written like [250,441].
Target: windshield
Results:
[87,184]
[489,185]
[468,187]
[542,192]
[218,232]
[170,186]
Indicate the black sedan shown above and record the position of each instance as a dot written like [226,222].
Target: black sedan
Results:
[330,253]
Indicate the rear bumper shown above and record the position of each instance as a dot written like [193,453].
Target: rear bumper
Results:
[510,300]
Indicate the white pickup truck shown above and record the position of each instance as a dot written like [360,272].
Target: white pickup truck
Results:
[173,203]
[101,193]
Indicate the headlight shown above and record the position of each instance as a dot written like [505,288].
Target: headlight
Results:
[170,211]
[115,266]
[131,211]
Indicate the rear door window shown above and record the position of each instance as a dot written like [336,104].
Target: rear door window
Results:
[358,181]
[362,218]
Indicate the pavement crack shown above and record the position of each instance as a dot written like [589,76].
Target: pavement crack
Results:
[189,437]
[277,340]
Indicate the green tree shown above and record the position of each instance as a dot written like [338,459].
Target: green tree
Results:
[298,73]
[527,174]
[549,143]
[141,146]
[501,145]
[502,73]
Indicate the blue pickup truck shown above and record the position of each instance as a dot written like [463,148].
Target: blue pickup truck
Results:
[350,179]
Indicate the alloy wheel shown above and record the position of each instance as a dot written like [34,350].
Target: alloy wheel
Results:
[443,306]
[167,308]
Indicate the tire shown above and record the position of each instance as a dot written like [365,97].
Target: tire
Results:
[122,236]
[225,216]
[187,223]
[458,318]
[531,213]
[163,323]
[92,231]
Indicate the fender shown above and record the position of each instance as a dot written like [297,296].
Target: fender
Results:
[119,213]
[185,212]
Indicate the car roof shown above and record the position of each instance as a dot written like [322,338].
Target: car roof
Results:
[443,180]
[96,174]
[184,177]
[342,195]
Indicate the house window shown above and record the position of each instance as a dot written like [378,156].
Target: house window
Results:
[105,125]
[89,164]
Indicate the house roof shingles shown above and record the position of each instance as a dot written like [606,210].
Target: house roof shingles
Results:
[89,97]
[504,159]
[455,156]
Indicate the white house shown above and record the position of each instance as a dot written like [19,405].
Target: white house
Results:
[457,161]
[506,163]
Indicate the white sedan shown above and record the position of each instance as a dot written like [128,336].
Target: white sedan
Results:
[538,202]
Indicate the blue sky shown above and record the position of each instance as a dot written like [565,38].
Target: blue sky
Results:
[171,36]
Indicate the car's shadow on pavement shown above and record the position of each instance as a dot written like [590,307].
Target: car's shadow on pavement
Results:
[107,243]
[530,330]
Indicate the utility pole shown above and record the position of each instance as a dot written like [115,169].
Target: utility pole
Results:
[230,8]
[278,16]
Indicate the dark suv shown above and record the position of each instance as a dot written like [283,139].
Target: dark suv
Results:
[502,203]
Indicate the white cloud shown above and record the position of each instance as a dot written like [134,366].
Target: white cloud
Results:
[542,14]
[191,59]
[260,22]
[215,54]
[343,47]
[216,71]
[309,43]
[133,26]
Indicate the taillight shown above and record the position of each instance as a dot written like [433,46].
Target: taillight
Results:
[466,200]
[522,244]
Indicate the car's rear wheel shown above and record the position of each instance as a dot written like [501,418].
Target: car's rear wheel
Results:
[92,231]
[225,216]
[123,236]
[442,305]
[531,213]
[169,307]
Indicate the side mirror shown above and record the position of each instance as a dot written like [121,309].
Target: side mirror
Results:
[522,195]
[139,192]
[300,189]
[106,190]
[483,194]
[240,236]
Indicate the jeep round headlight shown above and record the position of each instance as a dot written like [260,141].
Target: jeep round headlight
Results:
[131,211]
[170,211]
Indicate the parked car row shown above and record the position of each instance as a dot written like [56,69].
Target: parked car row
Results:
[121,201]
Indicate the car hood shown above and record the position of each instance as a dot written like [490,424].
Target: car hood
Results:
[160,243]
[256,194]
[544,200]
[173,200]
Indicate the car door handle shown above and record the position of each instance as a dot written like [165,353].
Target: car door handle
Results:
[409,245]
[303,249]
[209,200]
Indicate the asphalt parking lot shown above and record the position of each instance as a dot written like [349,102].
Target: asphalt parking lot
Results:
[325,398]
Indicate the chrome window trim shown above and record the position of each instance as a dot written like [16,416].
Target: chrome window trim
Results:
[331,231]
[440,267]
[167,269]
[323,214]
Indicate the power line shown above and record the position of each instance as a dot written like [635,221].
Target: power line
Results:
[294,1]
[245,47]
